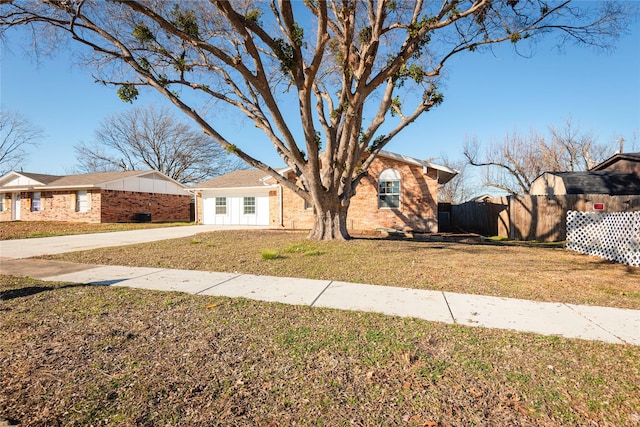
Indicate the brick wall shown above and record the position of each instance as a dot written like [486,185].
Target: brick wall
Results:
[418,202]
[5,211]
[105,206]
[56,206]
[199,210]
[121,206]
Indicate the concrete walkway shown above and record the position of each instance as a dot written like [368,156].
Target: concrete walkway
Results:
[611,325]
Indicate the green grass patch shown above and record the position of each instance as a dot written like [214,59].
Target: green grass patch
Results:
[299,248]
[269,254]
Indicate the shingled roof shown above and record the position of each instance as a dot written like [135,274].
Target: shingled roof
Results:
[242,178]
[49,182]
[40,177]
[600,182]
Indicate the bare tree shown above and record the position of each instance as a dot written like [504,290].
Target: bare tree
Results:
[460,188]
[151,138]
[17,135]
[343,66]
[514,163]
[568,149]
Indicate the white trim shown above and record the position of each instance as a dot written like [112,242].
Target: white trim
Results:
[211,189]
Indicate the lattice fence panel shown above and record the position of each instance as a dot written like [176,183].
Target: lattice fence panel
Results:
[612,235]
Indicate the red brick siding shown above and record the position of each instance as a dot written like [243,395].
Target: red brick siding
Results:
[274,208]
[121,206]
[418,202]
[5,212]
[55,206]
[106,206]
[199,208]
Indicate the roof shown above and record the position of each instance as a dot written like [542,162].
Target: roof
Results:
[600,182]
[242,178]
[246,178]
[94,178]
[445,174]
[634,157]
[40,177]
[87,180]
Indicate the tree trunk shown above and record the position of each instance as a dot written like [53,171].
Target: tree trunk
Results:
[330,222]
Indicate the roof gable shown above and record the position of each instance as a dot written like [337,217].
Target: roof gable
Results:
[632,157]
[21,179]
[445,174]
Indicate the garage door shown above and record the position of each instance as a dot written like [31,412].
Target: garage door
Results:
[250,209]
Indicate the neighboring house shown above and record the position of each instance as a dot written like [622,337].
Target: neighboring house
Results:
[481,199]
[400,192]
[623,162]
[96,197]
[609,182]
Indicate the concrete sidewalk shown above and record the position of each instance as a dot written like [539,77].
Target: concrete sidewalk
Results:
[611,325]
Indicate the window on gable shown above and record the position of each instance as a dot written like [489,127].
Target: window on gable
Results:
[389,189]
[221,205]
[82,201]
[36,205]
[249,205]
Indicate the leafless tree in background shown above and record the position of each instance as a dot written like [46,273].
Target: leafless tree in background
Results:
[459,189]
[515,162]
[152,138]
[17,135]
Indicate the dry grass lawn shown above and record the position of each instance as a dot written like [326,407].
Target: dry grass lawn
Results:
[28,230]
[535,272]
[75,355]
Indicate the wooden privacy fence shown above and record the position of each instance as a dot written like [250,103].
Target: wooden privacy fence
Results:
[612,235]
[541,218]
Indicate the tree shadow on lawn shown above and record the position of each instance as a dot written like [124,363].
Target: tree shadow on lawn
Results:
[34,290]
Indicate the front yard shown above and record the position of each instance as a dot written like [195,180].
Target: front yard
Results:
[518,271]
[77,355]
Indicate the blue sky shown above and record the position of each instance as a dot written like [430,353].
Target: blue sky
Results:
[486,96]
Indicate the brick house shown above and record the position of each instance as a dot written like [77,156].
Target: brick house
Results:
[97,197]
[400,192]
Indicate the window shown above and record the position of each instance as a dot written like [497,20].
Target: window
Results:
[35,202]
[2,197]
[307,205]
[249,205]
[389,189]
[221,205]
[82,201]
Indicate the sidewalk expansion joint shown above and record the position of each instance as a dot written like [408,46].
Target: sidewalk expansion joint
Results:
[218,284]
[320,294]
[622,340]
[444,295]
